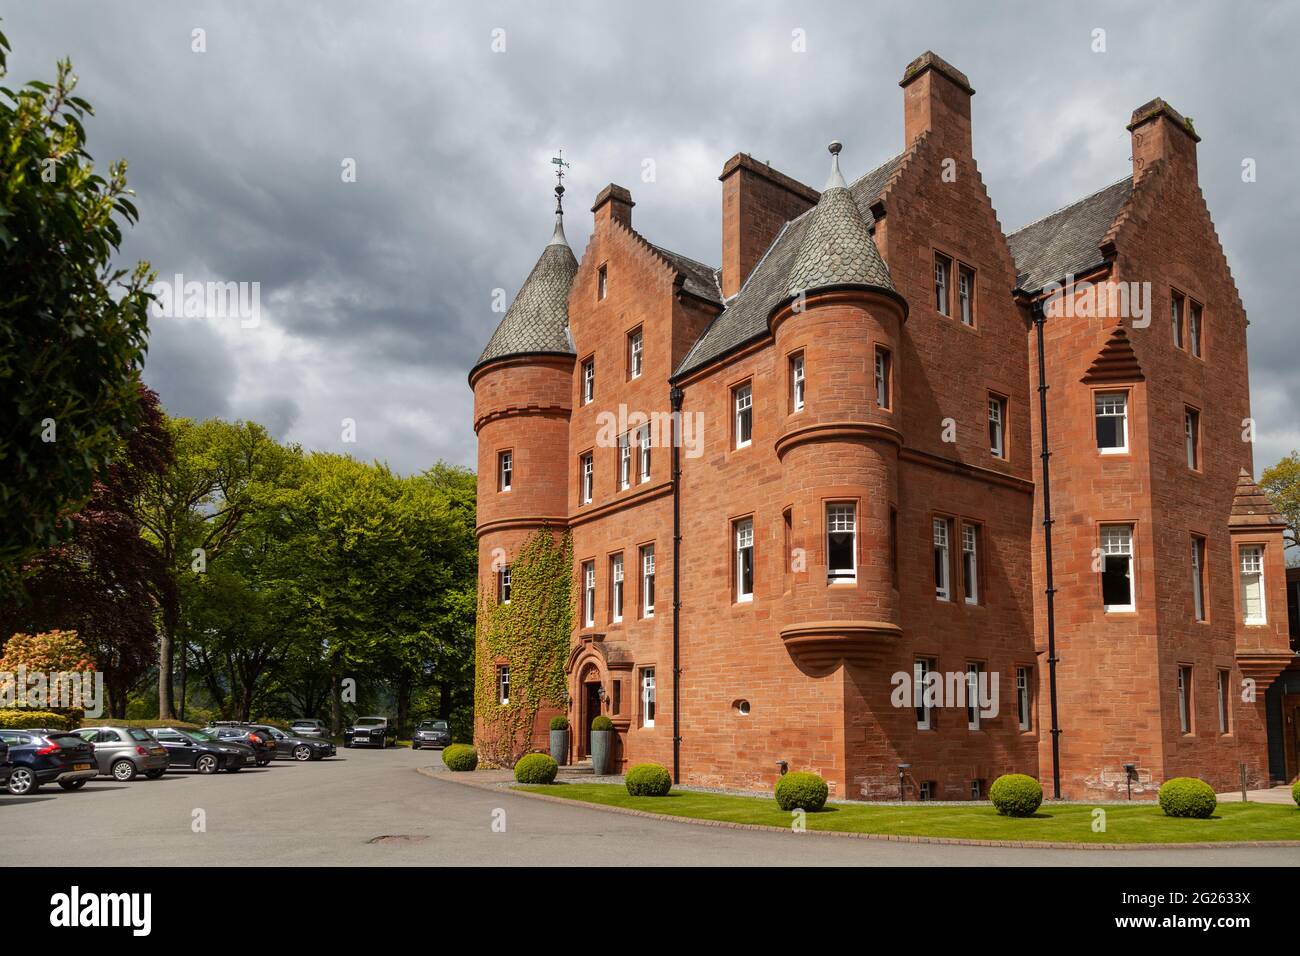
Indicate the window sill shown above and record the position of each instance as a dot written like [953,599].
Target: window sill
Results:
[1121,610]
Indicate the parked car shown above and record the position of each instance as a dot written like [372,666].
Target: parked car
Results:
[369,732]
[263,744]
[195,750]
[5,765]
[293,747]
[124,752]
[38,756]
[431,733]
[309,727]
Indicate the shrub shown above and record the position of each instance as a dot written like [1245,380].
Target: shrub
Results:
[801,790]
[648,780]
[602,723]
[460,757]
[142,724]
[536,768]
[1016,795]
[19,719]
[559,722]
[1187,797]
[1295,793]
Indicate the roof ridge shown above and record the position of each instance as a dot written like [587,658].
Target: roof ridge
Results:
[1071,205]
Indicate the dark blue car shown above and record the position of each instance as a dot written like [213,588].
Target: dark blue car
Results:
[38,757]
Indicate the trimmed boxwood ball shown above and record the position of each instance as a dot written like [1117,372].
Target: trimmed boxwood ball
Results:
[648,780]
[801,790]
[536,768]
[559,722]
[1016,795]
[602,723]
[460,757]
[1188,797]
[1295,793]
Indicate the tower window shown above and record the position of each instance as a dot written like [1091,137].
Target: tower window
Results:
[1117,567]
[883,372]
[796,382]
[503,684]
[503,585]
[841,542]
[1252,584]
[505,470]
[1112,422]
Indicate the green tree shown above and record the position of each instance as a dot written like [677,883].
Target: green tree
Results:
[73,327]
[1281,483]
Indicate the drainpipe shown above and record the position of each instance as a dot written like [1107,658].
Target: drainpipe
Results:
[1039,315]
[675,397]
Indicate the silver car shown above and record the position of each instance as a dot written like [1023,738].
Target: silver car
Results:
[124,752]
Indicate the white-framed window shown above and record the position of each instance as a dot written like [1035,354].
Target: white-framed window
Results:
[1194,328]
[588,479]
[588,381]
[503,684]
[1198,577]
[647,697]
[505,470]
[942,560]
[503,585]
[842,541]
[1184,699]
[796,383]
[744,537]
[966,294]
[602,282]
[648,581]
[1192,437]
[643,445]
[973,671]
[942,281]
[1024,691]
[589,593]
[921,667]
[1117,567]
[1176,314]
[970,572]
[1112,422]
[1252,584]
[625,460]
[742,400]
[997,426]
[1223,692]
[635,342]
[884,370]
[616,588]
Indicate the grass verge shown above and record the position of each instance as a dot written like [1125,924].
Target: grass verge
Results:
[1062,823]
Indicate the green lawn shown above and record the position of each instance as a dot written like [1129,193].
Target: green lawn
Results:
[1065,823]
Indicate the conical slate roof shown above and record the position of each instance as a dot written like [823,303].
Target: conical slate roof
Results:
[837,247]
[538,319]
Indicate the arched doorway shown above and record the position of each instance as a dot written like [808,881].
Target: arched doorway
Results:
[590,705]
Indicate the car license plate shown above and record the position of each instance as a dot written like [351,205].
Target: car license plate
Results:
[81,766]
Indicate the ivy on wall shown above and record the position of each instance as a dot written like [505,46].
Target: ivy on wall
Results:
[531,635]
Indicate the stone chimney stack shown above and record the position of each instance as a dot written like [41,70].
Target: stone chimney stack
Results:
[756,202]
[614,203]
[1160,132]
[936,99]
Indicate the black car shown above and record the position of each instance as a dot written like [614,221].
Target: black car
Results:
[292,747]
[262,743]
[5,766]
[431,733]
[369,732]
[195,750]
[39,756]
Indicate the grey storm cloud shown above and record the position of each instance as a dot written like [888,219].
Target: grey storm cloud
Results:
[377,295]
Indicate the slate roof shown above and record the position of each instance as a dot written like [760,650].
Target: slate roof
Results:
[744,318]
[538,319]
[837,248]
[1251,508]
[700,280]
[1067,242]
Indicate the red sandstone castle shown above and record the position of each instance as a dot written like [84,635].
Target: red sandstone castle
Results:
[851,497]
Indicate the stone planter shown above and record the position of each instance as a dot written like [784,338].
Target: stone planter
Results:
[602,747]
[560,746]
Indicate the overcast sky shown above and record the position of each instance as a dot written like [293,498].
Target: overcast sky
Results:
[376,295]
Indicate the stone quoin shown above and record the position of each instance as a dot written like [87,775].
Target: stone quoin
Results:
[865,496]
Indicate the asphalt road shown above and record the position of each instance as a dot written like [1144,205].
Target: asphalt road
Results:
[327,814]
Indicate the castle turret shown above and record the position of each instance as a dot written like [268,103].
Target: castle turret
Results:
[839,332]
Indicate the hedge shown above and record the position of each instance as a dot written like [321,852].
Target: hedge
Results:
[1016,795]
[1295,793]
[20,719]
[801,790]
[1188,797]
[559,722]
[142,724]
[536,768]
[602,723]
[460,757]
[648,780]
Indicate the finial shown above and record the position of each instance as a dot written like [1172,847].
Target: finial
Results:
[836,179]
[558,235]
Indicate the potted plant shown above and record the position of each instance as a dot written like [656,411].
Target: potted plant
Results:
[560,740]
[602,744]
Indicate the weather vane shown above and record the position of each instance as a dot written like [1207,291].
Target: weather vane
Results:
[560,166]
